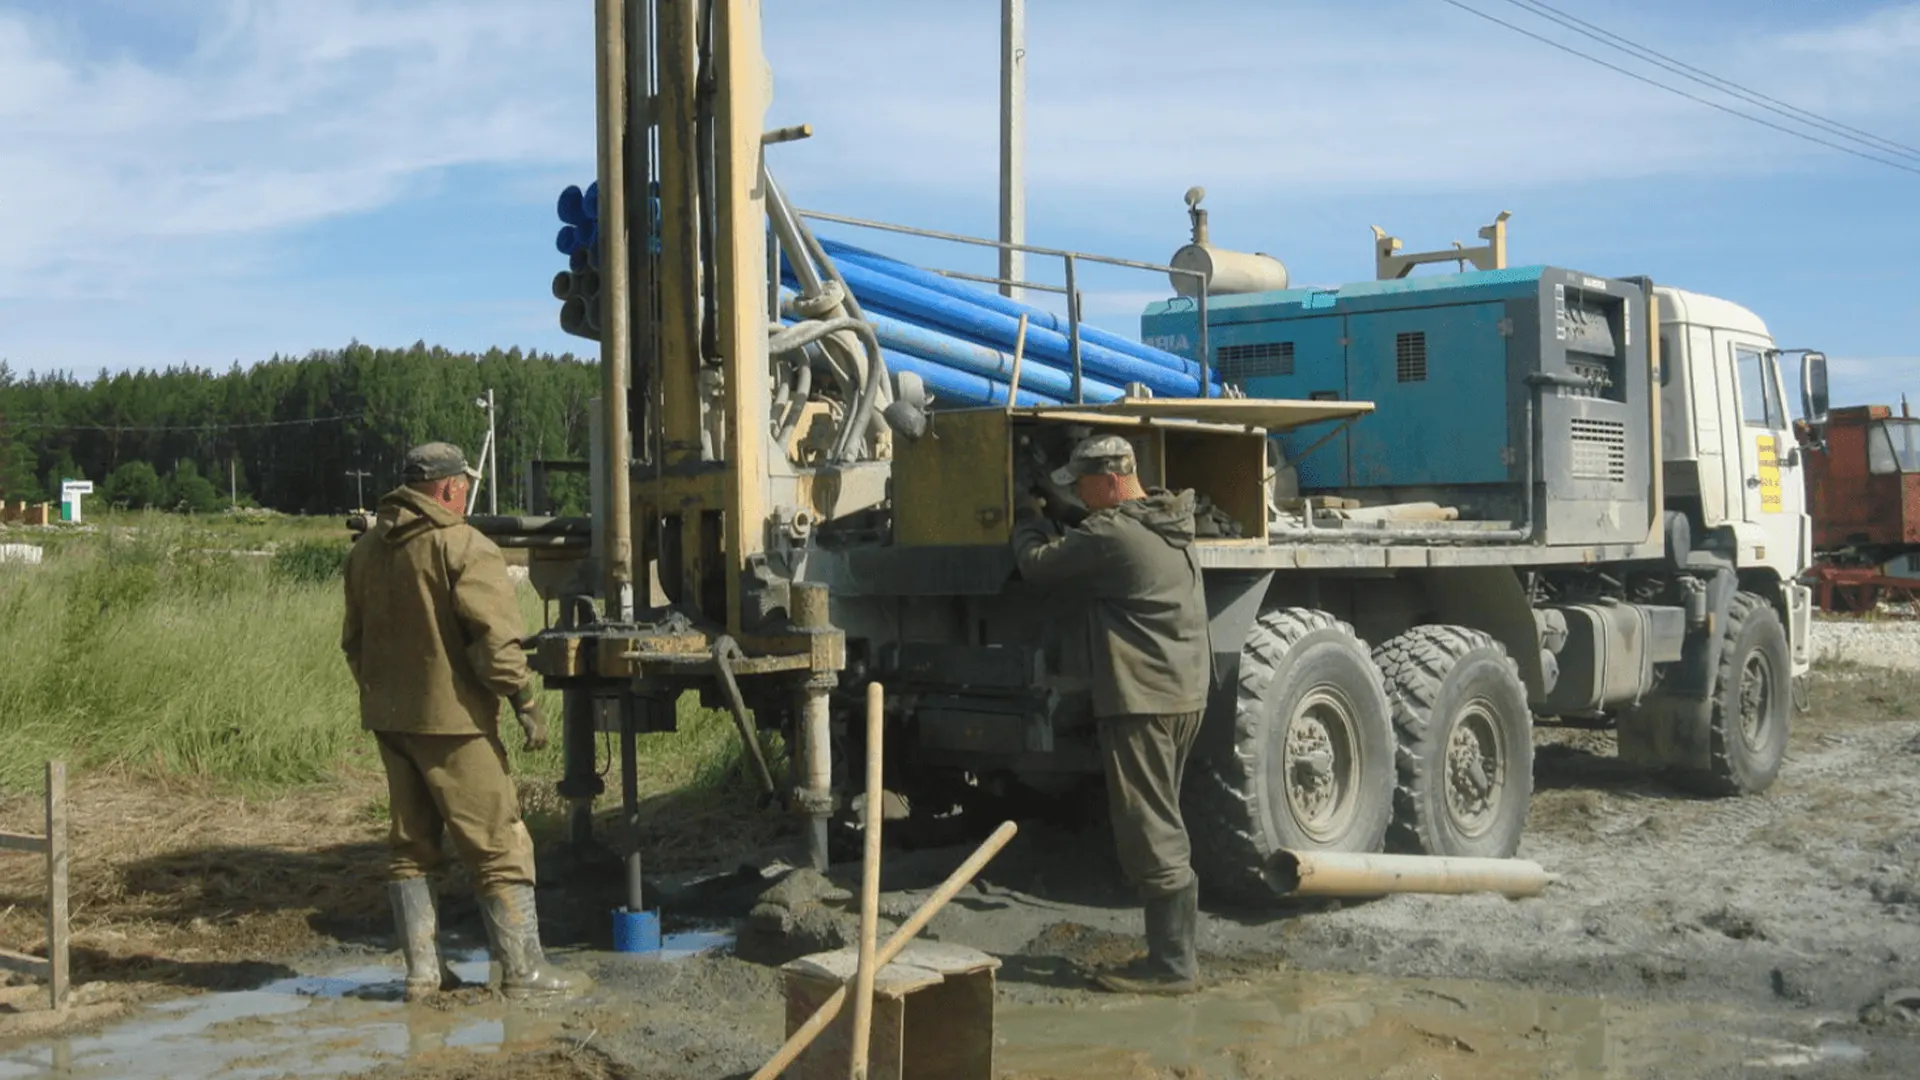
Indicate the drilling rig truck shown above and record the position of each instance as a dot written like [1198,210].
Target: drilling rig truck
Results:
[1437,509]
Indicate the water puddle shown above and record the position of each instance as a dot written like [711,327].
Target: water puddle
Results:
[324,1024]
[1335,1026]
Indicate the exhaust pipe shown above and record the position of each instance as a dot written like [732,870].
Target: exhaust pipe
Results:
[1367,874]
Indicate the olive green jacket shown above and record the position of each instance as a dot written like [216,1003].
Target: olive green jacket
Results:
[1136,566]
[432,628]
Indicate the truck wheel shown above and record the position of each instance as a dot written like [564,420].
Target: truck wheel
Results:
[1465,758]
[1297,753]
[1752,704]
[1732,741]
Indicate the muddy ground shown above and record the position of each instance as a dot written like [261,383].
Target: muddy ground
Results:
[1771,936]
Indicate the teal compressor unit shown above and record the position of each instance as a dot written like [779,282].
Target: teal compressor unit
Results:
[1518,395]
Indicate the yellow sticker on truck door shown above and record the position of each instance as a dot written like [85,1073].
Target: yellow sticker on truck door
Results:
[1769,461]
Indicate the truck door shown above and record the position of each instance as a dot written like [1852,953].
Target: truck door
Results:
[1773,491]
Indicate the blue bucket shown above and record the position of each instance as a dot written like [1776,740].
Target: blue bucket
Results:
[635,931]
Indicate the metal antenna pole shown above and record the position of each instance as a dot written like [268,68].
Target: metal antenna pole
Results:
[1013,143]
[493,460]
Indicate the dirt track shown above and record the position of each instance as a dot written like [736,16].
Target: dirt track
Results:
[1687,938]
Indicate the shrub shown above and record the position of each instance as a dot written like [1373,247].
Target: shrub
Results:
[311,562]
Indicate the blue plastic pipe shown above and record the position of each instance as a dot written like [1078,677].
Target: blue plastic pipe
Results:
[567,239]
[590,201]
[572,212]
[948,351]
[955,388]
[927,279]
[962,389]
[984,327]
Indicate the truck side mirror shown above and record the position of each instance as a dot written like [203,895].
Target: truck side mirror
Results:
[1813,387]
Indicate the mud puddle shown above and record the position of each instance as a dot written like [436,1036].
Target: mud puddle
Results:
[1331,1026]
[324,1024]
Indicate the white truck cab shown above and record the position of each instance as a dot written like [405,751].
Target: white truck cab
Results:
[1728,445]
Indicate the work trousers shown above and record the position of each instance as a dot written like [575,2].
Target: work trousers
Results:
[1144,758]
[454,785]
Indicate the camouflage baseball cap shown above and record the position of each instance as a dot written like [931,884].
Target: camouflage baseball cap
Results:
[435,461]
[1098,454]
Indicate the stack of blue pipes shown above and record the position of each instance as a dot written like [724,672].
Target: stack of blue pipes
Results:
[960,339]
[957,338]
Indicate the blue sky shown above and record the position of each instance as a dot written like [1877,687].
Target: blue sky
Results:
[211,181]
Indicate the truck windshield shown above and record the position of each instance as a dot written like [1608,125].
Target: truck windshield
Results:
[1895,447]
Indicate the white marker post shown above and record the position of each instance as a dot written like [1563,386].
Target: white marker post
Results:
[70,493]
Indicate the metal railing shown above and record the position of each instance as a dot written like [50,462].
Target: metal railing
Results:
[54,846]
[1070,288]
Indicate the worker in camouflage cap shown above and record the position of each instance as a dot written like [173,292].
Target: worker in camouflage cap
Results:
[1133,560]
[432,635]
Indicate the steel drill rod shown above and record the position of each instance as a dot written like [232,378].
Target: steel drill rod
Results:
[869,887]
[803,1037]
[630,805]
[1361,874]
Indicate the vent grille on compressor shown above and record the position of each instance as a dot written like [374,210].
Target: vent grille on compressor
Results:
[1410,356]
[1599,450]
[1238,363]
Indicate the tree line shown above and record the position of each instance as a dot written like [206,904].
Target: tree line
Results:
[288,433]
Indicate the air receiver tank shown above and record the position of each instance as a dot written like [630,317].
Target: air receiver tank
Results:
[1226,271]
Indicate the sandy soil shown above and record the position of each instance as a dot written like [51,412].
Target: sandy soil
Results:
[1775,936]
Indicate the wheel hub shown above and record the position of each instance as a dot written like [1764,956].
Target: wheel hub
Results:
[1319,763]
[1756,696]
[1475,768]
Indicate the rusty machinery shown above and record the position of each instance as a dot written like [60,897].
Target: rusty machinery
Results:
[1863,490]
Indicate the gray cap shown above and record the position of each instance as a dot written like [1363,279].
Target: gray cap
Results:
[1098,454]
[434,461]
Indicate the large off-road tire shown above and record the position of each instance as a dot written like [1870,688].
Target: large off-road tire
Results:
[1732,742]
[1752,705]
[1465,734]
[1296,753]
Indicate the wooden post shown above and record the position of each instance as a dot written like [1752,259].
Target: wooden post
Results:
[54,846]
[869,886]
[57,882]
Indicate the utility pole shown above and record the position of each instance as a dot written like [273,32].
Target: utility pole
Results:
[359,495]
[1013,142]
[233,482]
[489,460]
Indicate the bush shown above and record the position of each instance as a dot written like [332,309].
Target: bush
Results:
[135,485]
[311,562]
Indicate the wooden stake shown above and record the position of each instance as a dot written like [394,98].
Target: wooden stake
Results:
[869,887]
[57,882]
[1019,350]
[802,1038]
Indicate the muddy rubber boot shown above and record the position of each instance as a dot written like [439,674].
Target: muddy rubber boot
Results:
[513,928]
[417,924]
[1172,964]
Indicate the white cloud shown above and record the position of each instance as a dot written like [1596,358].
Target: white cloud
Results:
[283,114]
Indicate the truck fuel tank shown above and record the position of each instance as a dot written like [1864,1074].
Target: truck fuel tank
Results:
[1608,654]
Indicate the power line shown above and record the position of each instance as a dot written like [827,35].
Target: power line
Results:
[1728,109]
[1706,78]
[136,429]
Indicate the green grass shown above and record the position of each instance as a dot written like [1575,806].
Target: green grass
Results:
[155,649]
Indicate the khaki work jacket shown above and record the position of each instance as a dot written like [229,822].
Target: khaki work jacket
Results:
[432,628]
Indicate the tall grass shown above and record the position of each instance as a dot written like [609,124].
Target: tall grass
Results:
[159,651]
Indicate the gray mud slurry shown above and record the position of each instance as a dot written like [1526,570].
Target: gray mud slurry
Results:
[1337,1027]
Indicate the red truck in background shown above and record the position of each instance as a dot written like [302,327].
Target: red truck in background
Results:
[1863,494]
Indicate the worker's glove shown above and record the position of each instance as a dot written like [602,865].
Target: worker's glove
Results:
[532,722]
[1031,506]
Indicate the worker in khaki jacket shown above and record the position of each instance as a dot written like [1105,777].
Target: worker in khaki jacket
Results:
[432,633]
[1133,559]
